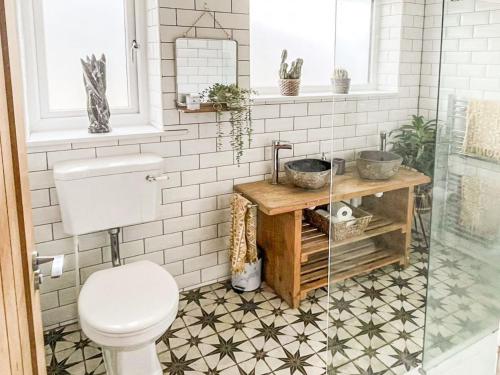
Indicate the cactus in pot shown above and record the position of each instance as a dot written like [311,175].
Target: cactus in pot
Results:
[290,77]
[341,81]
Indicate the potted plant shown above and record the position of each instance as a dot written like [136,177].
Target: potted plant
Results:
[416,144]
[341,81]
[290,78]
[236,101]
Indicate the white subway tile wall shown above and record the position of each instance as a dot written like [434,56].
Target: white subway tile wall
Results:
[190,238]
[471,53]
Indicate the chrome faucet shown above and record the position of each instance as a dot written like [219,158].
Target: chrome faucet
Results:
[383,140]
[278,145]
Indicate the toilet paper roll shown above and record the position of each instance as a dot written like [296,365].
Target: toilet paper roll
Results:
[340,210]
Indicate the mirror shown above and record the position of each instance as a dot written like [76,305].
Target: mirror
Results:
[202,62]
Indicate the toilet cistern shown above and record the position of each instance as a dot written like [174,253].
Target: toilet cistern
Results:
[107,194]
[277,146]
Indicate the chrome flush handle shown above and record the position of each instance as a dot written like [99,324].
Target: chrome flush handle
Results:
[152,178]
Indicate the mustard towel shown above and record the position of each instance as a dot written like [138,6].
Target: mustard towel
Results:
[482,136]
[243,246]
[479,206]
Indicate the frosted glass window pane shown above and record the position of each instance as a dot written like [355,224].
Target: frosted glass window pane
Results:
[74,29]
[353,39]
[305,28]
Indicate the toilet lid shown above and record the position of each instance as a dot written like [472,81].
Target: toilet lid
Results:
[128,298]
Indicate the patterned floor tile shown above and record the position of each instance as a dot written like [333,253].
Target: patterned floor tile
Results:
[226,349]
[185,359]
[372,324]
[367,364]
[296,358]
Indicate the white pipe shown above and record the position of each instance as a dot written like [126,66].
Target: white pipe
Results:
[77,266]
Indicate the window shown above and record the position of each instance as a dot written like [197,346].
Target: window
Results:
[309,30]
[353,41]
[64,31]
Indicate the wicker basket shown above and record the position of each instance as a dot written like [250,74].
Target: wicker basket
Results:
[343,230]
[289,87]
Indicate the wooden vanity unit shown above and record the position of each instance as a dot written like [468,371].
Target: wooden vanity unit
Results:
[296,254]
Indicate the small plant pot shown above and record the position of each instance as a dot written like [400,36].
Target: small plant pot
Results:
[341,86]
[423,198]
[289,87]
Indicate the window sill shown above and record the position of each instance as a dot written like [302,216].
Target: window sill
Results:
[54,137]
[321,96]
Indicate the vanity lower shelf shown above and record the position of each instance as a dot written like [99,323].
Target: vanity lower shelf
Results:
[354,261]
[349,257]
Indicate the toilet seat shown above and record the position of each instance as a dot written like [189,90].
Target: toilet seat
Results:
[128,305]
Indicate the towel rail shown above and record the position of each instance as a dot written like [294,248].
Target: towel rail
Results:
[250,205]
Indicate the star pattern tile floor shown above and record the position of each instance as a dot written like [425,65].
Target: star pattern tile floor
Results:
[375,324]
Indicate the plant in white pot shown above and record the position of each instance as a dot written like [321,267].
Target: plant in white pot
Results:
[290,78]
[341,81]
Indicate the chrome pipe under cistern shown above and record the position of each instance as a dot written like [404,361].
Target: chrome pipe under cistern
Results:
[115,246]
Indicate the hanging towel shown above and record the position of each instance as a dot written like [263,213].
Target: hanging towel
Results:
[482,136]
[479,205]
[243,246]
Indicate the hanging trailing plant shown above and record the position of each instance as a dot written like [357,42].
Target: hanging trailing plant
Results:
[236,101]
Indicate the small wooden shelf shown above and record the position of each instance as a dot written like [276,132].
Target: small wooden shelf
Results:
[204,107]
[314,241]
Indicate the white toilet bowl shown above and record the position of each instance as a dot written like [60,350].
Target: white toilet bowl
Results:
[125,310]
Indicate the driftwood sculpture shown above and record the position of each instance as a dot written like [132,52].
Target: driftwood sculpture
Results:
[94,77]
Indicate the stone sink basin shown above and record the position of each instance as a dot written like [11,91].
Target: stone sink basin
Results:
[378,165]
[309,173]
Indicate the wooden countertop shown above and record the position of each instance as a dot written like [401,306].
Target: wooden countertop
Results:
[277,199]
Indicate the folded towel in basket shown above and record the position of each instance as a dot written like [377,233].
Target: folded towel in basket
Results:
[482,135]
[243,245]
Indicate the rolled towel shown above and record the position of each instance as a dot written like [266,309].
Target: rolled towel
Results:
[340,210]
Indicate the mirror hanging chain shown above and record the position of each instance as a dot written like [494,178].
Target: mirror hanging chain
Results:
[207,10]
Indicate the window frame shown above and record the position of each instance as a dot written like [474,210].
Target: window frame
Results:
[372,68]
[372,83]
[36,79]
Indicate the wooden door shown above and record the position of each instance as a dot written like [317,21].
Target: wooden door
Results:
[21,340]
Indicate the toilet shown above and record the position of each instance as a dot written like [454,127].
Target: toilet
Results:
[123,309]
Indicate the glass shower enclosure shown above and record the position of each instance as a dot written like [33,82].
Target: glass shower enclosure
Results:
[463,296]
[461,291]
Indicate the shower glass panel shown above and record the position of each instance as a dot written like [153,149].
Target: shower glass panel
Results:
[463,298]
